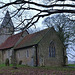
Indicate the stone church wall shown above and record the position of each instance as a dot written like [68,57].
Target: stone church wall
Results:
[26,55]
[43,50]
[0,57]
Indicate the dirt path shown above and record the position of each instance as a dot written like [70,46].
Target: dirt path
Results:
[33,71]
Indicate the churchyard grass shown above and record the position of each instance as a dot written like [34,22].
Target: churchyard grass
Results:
[26,70]
[71,65]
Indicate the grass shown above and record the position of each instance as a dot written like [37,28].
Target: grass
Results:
[73,65]
[46,67]
[3,65]
[11,65]
[58,68]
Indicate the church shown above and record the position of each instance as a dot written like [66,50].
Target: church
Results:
[43,48]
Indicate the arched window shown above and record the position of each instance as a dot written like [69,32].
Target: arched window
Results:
[51,49]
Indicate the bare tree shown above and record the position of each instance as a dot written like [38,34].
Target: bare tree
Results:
[20,8]
[65,28]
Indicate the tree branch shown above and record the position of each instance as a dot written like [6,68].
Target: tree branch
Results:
[36,4]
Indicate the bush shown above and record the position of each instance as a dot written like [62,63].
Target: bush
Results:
[20,62]
[7,62]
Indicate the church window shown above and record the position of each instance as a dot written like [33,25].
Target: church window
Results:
[52,49]
[8,53]
[19,55]
[27,53]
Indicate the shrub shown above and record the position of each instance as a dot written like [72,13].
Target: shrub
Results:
[7,62]
[14,64]
[20,62]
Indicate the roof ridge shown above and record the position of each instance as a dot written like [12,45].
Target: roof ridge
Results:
[37,32]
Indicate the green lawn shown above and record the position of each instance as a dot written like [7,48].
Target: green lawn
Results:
[11,65]
[71,65]
[47,67]
[58,68]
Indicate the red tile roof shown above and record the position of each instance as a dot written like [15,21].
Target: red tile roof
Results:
[32,39]
[28,40]
[10,41]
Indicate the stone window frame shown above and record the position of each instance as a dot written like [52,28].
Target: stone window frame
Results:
[52,50]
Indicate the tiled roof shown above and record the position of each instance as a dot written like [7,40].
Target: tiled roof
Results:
[32,39]
[28,40]
[10,41]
